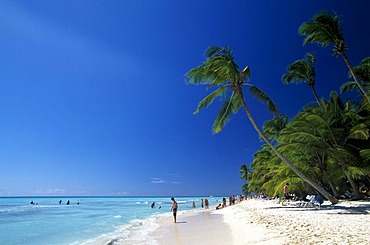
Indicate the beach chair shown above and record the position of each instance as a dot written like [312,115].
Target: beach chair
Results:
[314,201]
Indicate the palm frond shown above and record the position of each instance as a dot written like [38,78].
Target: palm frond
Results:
[236,103]
[219,68]
[348,86]
[365,155]
[356,172]
[261,96]
[216,51]
[325,28]
[310,57]
[224,115]
[298,72]
[197,76]
[210,98]
[362,71]
[359,131]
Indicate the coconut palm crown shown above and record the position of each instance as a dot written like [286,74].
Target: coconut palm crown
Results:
[220,71]
[303,71]
[325,29]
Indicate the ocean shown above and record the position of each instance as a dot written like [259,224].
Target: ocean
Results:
[87,220]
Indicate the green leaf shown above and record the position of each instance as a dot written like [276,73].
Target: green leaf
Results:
[261,96]
[210,98]
[224,115]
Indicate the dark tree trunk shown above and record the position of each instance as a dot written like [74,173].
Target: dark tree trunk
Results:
[355,188]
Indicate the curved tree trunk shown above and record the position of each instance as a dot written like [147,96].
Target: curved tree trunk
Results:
[317,187]
[359,84]
[315,94]
[333,189]
[355,188]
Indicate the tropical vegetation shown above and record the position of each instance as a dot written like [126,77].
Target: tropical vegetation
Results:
[325,148]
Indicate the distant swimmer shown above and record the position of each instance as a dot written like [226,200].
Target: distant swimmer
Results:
[159,207]
[68,202]
[153,205]
[32,202]
[193,205]
[60,201]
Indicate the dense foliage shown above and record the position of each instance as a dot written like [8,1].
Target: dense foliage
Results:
[325,148]
[328,142]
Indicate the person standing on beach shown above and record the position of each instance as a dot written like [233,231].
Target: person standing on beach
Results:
[174,208]
[286,191]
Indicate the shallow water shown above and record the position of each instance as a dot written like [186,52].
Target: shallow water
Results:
[96,220]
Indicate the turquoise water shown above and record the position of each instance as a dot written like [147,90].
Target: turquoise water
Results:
[96,220]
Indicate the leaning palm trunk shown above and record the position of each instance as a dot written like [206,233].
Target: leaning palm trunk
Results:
[359,84]
[354,186]
[317,187]
[333,189]
[315,94]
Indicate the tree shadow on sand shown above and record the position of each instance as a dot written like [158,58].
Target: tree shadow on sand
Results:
[360,208]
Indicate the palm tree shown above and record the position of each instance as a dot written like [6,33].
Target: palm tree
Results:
[220,71]
[329,135]
[270,174]
[325,28]
[244,172]
[273,127]
[303,71]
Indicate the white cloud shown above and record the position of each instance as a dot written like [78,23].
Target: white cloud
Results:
[157,181]
[121,193]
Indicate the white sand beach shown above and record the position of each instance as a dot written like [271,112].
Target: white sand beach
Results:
[267,222]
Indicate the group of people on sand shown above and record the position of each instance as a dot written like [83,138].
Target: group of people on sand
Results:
[232,201]
[204,204]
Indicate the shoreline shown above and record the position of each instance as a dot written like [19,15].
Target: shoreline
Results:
[267,222]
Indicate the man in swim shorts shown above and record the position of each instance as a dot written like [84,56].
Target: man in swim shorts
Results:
[174,208]
[286,191]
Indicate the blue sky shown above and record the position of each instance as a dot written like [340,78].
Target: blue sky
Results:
[93,99]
